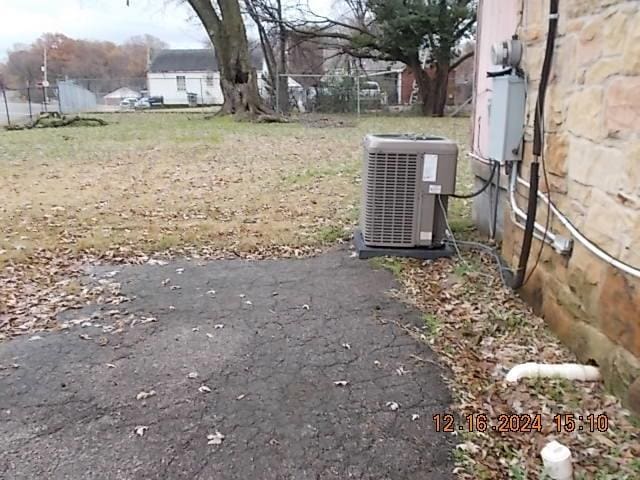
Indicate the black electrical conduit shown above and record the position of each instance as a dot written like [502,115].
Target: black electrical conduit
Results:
[494,168]
[534,176]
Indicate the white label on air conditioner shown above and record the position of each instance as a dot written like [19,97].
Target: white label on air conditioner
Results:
[430,168]
[435,189]
[426,236]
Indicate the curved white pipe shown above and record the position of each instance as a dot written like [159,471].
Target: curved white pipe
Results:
[544,233]
[569,371]
[601,254]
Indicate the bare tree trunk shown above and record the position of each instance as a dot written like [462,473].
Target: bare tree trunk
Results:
[283,80]
[440,90]
[425,85]
[238,78]
[267,49]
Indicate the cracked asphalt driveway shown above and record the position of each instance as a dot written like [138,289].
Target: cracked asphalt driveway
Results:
[270,344]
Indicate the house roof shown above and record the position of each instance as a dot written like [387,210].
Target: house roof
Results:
[193,60]
[122,92]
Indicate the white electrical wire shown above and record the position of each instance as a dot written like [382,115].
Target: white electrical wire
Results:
[516,211]
[588,244]
[543,233]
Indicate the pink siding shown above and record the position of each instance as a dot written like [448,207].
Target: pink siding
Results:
[498,20]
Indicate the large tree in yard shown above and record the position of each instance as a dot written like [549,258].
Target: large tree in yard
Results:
[418,33]
[223,22]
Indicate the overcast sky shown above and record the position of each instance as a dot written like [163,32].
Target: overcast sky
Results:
[22,21]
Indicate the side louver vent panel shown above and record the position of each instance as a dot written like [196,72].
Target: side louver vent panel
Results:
[389,199]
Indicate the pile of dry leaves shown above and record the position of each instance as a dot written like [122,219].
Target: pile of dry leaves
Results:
[480,330]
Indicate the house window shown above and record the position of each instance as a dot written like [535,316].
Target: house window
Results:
[182,83]
[209,80]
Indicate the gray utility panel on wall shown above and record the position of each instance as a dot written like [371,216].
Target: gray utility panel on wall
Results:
[506,118]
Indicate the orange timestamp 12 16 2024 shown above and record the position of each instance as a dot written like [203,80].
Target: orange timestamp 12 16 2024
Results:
[524,423]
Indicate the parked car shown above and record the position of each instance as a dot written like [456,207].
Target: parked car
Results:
[370,89]
[128,102]
[142,103]
[156,101]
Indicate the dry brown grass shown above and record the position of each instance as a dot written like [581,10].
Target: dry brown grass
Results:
[153,182]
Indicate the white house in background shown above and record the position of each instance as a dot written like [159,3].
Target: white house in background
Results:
[175,73]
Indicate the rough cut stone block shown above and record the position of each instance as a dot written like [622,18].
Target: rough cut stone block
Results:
[590,41]
[632,46]
[603,69]
[623,106]
[615,32]
[619,307]
[584,114]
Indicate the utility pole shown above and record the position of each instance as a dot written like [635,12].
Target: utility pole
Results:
[45,82]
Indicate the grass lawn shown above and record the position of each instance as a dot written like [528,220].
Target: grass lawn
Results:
[152,182]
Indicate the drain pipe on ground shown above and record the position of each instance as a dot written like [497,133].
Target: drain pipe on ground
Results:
[568,371]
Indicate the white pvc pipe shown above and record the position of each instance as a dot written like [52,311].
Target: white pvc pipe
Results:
[584,240]
[569,371]
[557,461]
[544,233]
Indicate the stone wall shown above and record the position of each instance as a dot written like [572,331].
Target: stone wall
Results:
[592,156]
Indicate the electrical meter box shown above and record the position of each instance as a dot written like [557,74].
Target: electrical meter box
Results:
[506,118]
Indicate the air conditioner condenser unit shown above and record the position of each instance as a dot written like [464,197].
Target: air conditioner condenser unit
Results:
[405,184]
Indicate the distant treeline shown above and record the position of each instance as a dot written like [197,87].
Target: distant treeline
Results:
[77,59]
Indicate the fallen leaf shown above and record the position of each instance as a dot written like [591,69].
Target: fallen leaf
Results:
[215,438]
[393,406]
[240,397]
[204,389]
[153,261]
[145,395]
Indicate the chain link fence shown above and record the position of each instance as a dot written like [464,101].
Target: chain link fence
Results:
[386,91]
[21,105]
[343,93]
